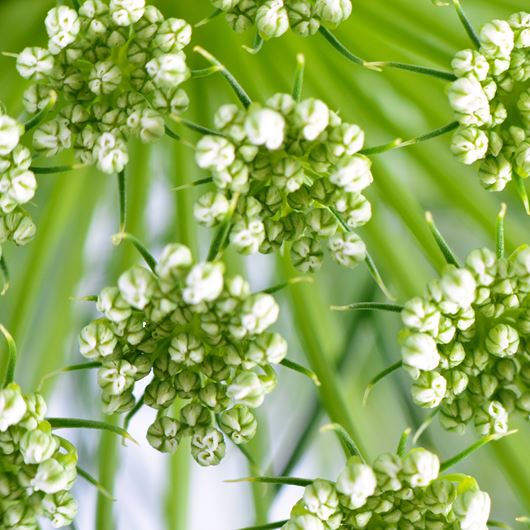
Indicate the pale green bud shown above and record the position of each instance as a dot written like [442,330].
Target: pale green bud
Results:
[214,152]
[312,117]
[321,499]
[420,467]
[112,305]
[247,389]
[502,340]
[258,313]
[419,352]
[459,287]
[126,12]
[186,349]
[265,127]
[472,509]
[454,416]
[117,403]
[164,434]
[467,96]
[172,35]
[62,25]
[469,144]
[111,153]
[239,424]
[115,377]
[247,235]
[304,522]
[148,124]
[439,496]
[208,446]
[522,160]
[302,18]
[322,221]
[421,315]
[470,62]
[52,137]
[347,249]
[354,208]
[355,484]
[387,468]
[429,389]
[97,340]
[12,406]
[38,445]
[520,24]
[491,418]
[137,286]
[306,254]
[211,208]
[194,415]
[267,348]
[271,19]
[204,283]
[333,12]
[168,70]
[35,63]
[53,476]
[105,77]
[496,39]
[353,174]
[60,509]
[159,394]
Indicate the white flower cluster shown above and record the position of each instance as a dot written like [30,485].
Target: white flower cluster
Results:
[393,494]
[117,67]
[297,168]
[491,99]
[273,18]
[201,336]
[17,184]
[466,342]
[37,469]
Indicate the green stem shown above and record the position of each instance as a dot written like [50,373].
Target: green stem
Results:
[299,77]
[379,377]
[423,70]
[71,368]
[37,118]
[237,88]
[399,144]
[199,73]
[500,245]
[221,236]
[403,443]
[376,306]
[146,255]
[467,24]
[122,191]
[256,46]
[340,47]
[215,13]
[5,273]
[91,480]
[301,370]
[76,423]
[449,255]
[290,281]
[198,182]
[130,415]
[424,426]
[12,356]
[347,442]
[276,524]
[289,481]
[196,127]
[55,169]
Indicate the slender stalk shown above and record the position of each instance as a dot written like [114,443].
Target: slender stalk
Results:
[289,481]
[5,273]
[174,136]
[275,524]
[299,77]
[198,182]
[39,116]
[423,70]
[214,14]
[467,24]
[75,4]
[376,306]
[148,257]
[130,415]
[196,127]
[449,255]
[379,377]
[301,370]
[221,236]
[347,442]
[237,88]
[76,423]
[341,48]
[403,442]
[55,169]
[256,46]
[91,480]
[521,190]
[122,194]
[424,426]
[500,232]
[11,356]
[70,368]
[400,144]
[199,73]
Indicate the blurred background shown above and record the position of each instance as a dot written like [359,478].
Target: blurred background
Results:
[72,255]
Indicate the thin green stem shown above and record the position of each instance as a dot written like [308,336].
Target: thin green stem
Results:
[130,415]
[500,245]
[521,190]
[198,182]
[199,73]
[499,524]
[472,448]
[379,377]
[196,127]
[4,269]
[146,255]
[256,45]
[299,77]
[347,442]
[76,5]
[91,480]
[39,116]
[11,356]
[55,169]
[276,524]
[214,14]
[470,30]
[174,136]
[372,306]
[289,481]
[423,70]
[71,368]
[221,236]
[398,143]
[449,255]
[237,88]
[291,365]
[424,426]
[290,281]
[122,194]
[76,423]
[340,47]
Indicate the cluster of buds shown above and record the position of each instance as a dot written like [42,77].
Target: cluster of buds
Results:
[287,172]
[17,184]
[273,18]
[395,493]
[491,98]
[466,342]
[117,67]
[37,468]
[202,337]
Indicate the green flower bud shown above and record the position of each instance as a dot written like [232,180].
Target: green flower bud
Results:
[352,174]
[12,406]
[333,12]
[491,418]
[306,254]
[459,287]
[186,349]
[472,509]
[355,484]
[387,468]
[467,97]
[312,117]
[439,496]
[60,509]
[159,394]
[322,221]
[454,416]
[164,434]
[117,403]
[168,70]
[271,19]
[105,78]
[175,259]
[242,16]
[302,18]
[429,389]
[268,348]
[258,313]
[204,283]
[419,352]
[321,499]
[38,445]
[247,235]
[53,476]
[207,446]
[97,340]
[347,249]
[113,305]
[469,144]
[126,12]
[496,39]
[502,340]
[239,424]
[420,467]
[188,384]
[111,153]
[147,123]
[115,377]
[522,160]
[137,286]
[52,137]
[194,415]
[211,208]
[265,126]
[63,26]
[470,62]
[35,64]
[173,35]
